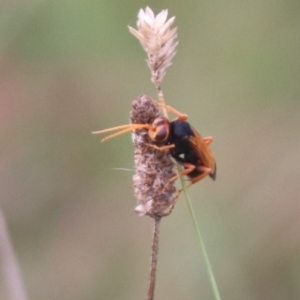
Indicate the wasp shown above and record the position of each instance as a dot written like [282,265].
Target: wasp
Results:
[185,144]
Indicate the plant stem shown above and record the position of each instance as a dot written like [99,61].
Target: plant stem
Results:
[154,258]
[161,98]
[10,270]
[192,211]
[201,243]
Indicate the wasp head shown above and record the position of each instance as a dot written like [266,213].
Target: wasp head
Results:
[160,129]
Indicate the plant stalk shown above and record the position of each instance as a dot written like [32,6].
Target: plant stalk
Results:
[212,279]
[154,258]
[9,268]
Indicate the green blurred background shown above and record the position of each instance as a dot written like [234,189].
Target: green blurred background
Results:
[71,67]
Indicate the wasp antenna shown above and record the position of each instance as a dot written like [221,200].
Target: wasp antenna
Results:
[116,134]
[128,126]
[111,129]
[128,129]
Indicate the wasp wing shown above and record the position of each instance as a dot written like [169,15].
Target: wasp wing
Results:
[205,155]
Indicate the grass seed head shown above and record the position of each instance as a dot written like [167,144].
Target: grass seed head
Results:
[153,168]
[158,40]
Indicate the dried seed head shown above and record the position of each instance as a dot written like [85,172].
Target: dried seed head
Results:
[158,40]
[153,167]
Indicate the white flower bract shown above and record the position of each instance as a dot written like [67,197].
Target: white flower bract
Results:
[158,40]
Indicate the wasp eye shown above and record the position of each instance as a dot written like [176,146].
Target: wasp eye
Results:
[160,130]
[161,133]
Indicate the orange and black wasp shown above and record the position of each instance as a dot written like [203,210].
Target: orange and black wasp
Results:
[185,144]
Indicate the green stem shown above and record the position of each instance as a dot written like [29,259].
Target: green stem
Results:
[200,239]
[201,243]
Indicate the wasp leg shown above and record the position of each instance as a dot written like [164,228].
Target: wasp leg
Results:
[177,195]
[180,116]
[126,128]
[162,148]
[188,168]
[206,171]
[208,139]
[174,203]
